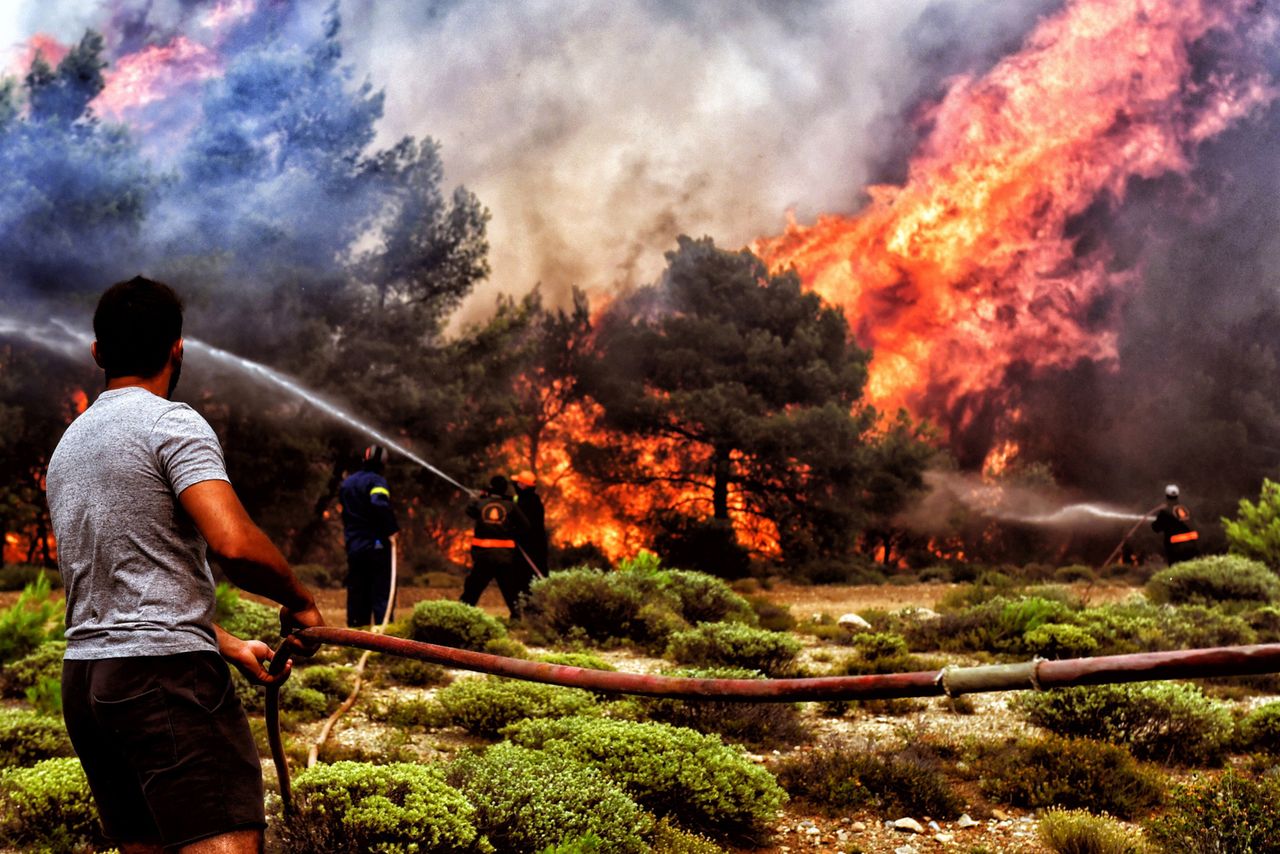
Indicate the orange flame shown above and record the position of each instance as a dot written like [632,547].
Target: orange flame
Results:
[46,45]
[153,74]
[969,267]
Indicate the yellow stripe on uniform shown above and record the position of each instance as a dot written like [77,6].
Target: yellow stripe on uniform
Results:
[380,490]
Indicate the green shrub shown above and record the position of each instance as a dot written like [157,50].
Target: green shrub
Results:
[44,662]
[989,585]
[1081,832]
[27,737]
[1265,622]
[15,576]
[770,615]
[843,779]
[735,645]
[1192,626]
[670,839]
[999,624]
[30,621]
[1068,772]
[484,706]
[308,702]
[1123,628]
[602,607]
[353,808]
[759,725]
[1217,578]
[418,674]
[245,618]
[46,696]
[47,808]
[455,624]
[1260,730]
[585,660]
[1075,574]
[1059,640]
[1164,721]
[526,800]
[506,647]
[1225,814]
[405,712]
[699,781]
[704,598]
[1255,532]
[334,682]
[874,645]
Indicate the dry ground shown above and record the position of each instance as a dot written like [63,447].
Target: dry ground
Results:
[800,831]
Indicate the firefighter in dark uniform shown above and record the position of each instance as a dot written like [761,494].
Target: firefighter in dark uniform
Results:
[530,504]
[368,525]
[499,524]
[1173,522]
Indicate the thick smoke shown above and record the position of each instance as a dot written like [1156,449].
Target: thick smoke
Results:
[599,132]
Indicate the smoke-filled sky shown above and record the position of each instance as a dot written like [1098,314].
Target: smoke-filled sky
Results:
[597,132]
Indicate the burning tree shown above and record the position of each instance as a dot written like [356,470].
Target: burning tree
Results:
[754,390]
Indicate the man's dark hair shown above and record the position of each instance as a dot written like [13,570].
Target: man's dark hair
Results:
[136,323]
[498,485]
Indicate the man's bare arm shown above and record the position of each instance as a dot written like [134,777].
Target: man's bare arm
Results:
[249,558]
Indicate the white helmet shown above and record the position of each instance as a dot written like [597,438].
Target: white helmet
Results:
[1171,491]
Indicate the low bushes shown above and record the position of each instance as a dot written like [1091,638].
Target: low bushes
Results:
[27,737]
[702,783]
[1081,832]
[1059,640]
[16,576]
[47,809]
[449,623]
[353,808]
[1260,730]
[1164,721]
[1217,578]
[41,664]
[334,682]
[245,618]
[526,800]
[639,605]
[1226,814]
[847,778]
[759,725]
[484,706]
[30,621]
[1068,772]
[735,645]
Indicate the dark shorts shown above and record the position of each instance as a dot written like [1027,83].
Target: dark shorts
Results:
[166,746]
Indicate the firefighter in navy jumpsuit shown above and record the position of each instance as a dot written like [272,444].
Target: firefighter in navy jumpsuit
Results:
[368,524]
[499,524]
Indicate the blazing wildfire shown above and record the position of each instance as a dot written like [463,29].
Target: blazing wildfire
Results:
[1049,263]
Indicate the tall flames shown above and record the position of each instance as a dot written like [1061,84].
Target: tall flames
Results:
[973,265]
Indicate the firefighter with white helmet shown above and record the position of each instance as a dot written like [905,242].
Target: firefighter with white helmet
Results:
[1173,522]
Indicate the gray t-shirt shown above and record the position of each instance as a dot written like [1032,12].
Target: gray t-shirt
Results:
[132,560]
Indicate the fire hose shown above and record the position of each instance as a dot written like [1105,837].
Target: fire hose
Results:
[952,681]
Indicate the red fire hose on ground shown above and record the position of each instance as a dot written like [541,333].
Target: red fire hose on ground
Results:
[952,681]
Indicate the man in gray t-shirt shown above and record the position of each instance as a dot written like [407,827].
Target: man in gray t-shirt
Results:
[137,492]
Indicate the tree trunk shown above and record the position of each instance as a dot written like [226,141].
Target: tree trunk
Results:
[721,469]
[304,543]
